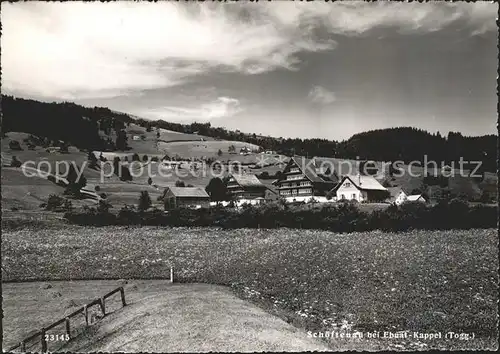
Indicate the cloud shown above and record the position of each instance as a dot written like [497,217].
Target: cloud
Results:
[321,95]
[221,107]
[75,50]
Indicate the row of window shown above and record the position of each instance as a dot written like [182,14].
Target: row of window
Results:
[301,184]
[353,196]
[296,192]
[294,177]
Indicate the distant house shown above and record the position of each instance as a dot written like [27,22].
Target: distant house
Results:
[360,188]
[416,198]
[186,197]
[304,178]
[399,196]
[246,186]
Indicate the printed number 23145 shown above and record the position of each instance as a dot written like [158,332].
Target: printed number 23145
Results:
[56,337]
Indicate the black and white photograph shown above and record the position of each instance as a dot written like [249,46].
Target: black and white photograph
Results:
[249,176]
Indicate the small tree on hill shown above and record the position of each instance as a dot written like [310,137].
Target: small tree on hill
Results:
[15,162]
[125,174]
[121,140]
[144,201]
[14,145]
[92,159]
[219,153]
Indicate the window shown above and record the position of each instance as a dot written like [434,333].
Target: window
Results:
[354,196]
[342,196]
[347,184]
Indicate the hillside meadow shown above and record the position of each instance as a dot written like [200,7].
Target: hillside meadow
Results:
[322,281]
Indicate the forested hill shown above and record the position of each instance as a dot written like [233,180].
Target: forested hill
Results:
[81,127]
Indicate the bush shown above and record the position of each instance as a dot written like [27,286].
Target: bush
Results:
[103,195]
[14,145]
[15,162]
[144,201]
[58,204]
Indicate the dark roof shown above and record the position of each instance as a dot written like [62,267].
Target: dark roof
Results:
[247,180]
[309,168]
[189,192]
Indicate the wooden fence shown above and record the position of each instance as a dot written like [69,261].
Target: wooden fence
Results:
[83,310]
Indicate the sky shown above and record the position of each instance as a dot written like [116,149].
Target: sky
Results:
[290,69]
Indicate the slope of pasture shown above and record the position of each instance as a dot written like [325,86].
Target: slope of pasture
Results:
[198,149]
[23,192]
[423,281]
[192,318]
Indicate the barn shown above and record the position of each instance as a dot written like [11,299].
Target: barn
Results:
[186,197]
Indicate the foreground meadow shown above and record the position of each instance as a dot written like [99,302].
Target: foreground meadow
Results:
[423,281]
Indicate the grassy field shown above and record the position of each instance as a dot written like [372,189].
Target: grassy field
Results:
[417,281]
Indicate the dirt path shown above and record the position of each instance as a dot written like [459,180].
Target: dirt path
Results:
[160,317]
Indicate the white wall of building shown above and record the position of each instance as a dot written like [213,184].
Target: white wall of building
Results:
[350,192]
[401,198]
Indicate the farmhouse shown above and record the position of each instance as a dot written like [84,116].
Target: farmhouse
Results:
[187,197]
[246,186]
[360,188]
[304,178]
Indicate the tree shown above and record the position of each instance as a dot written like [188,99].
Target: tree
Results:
[125,173]
[180,183]
[14,145]
[75,182]
[219,153]
[158,134]
[144,201]
[121,140]
[15,162]
[92,159]
[217,190]
[148,128]
[103,206]
[116,165]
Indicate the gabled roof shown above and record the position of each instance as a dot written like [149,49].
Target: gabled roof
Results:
[361,182]
[247,180]
[395,191]
[415,197]
[308,167]
[189,192]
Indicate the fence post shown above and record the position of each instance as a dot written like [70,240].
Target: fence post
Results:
[171,274]
[103,306]
[86,314]
[23,346]
[122,293]
[68,328]
[43,341]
